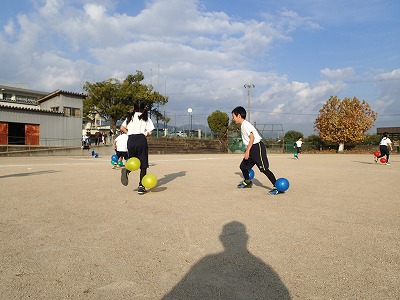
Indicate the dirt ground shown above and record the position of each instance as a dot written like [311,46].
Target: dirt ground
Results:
[70,230]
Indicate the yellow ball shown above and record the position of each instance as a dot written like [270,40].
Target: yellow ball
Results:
[132,164]
[149,181]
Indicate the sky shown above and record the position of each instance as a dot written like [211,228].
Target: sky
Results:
[281,60]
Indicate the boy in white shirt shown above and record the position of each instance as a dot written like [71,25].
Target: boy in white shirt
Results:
[297,146]
[121,148]
[255,154]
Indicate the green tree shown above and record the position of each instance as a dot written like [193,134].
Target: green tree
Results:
[112,99]
[234,129]
[344,121]
[218,122]
[293,135]
[315,141]
[372,139]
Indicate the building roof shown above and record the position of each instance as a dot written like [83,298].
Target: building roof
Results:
[60,92]
[15,89]
[392,130]
[33,108]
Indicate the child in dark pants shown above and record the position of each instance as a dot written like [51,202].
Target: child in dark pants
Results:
[255,153]
[137,126]
[384,146]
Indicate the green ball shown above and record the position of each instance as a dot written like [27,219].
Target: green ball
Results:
[120,163]
[149,181]
[132,164]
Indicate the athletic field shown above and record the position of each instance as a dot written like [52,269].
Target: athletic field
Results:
[70,230]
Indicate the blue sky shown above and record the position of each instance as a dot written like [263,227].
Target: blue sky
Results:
[297,53]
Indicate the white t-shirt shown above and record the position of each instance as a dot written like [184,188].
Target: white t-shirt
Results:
[122,143]
[385,141]
[246,128]
[136,126]
[298,144]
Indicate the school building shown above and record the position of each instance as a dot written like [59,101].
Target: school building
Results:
[393,132]
[37,118]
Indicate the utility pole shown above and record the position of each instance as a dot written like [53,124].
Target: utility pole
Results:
[158,90]
[248,87]
[165,95]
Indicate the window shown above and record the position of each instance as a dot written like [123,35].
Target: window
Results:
[25,99]
[19,99]
[72,112]
[7,97]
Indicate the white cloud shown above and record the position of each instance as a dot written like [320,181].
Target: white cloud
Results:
[9,28]
[207,56]
[339,74]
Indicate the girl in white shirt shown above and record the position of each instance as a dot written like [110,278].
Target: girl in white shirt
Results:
[137,126]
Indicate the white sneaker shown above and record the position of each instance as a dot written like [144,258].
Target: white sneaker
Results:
[388,164]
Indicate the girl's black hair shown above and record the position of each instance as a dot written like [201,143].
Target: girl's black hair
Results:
[138,107]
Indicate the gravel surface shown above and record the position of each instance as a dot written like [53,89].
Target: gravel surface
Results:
[70,230]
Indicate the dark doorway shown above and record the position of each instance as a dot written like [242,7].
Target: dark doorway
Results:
[16,133]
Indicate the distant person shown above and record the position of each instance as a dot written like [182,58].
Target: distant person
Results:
[121,148]
[385,146]
[104,138]
[297,146]
[97,137]
[85,142]
[137,126]
[255,154]
[111,136]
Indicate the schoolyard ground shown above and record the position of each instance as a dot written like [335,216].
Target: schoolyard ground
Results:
[70,230]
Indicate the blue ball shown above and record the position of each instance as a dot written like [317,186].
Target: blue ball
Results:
[251,174]
[114,158]
[282,184]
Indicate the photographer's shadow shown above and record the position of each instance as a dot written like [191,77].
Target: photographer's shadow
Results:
[232,274]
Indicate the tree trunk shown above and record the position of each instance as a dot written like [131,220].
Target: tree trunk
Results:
[113,126]
[341,148]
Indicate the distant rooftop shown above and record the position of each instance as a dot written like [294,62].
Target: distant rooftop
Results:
[21,88]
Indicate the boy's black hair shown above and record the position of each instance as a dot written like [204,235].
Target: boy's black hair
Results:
[138,107]
[385,134]
[239,110]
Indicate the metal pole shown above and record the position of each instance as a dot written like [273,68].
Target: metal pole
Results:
[248,87]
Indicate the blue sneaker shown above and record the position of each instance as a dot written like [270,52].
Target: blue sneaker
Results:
[245,185]
[274,191]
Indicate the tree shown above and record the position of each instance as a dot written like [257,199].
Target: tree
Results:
[343,121]
[112,99]
[218,122]
[372,139]
[315,141]
[234,129]
[293,135]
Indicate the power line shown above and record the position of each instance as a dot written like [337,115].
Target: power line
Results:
[289,83]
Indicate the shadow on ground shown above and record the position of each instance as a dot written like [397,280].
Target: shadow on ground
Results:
[256,181]
[29,174]
[166,179]
[234,273]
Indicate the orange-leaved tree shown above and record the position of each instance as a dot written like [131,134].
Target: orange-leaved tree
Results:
[344,121]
